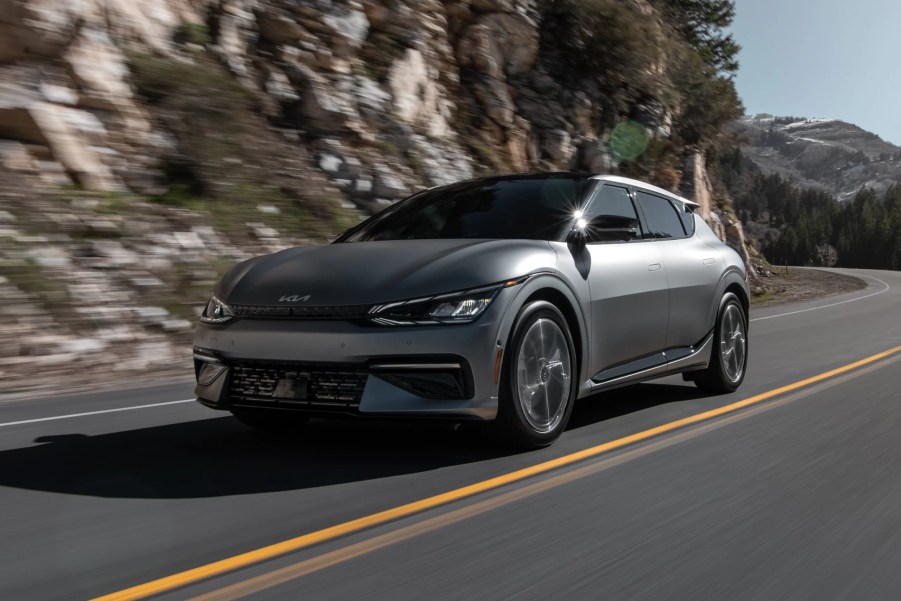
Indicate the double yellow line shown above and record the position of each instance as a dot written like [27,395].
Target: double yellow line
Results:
[242,560]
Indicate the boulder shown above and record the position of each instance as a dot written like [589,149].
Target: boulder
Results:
[521,146]
[236,29]
[373,103]
[349,24]
[442,162]
[558,146]
[499,44]
[654,117]
[387,184]
[71,135]
[594,158]
[15,157]
[324,108]
[280,27]
[417,96]
[17,123]
[278,86]
[37,28]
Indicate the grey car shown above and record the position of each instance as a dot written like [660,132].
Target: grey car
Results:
[501,299]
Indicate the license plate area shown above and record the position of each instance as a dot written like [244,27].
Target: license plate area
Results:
[319,386]
[292,387]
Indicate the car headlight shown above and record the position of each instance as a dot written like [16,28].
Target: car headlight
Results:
[216,312]
[457,307]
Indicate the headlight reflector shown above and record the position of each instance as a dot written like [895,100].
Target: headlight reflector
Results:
[466,308]
[216,312]
[458,307]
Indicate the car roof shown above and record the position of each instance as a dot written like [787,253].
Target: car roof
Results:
[626,181]
[613,179]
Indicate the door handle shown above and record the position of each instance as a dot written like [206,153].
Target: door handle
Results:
[654,267]
[709,261]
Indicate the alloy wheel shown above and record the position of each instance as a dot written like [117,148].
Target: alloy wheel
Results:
[733,343]
[543,375]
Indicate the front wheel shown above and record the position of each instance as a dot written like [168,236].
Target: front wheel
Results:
[539,385]
[730,351]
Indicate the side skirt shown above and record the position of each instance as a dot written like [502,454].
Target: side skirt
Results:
[669,362]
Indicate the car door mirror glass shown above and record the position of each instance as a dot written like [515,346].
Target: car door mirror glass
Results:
[611,228]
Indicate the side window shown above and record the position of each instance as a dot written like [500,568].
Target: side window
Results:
[662,219]
[611,200]
[687,217]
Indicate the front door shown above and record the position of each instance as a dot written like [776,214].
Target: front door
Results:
[629,291]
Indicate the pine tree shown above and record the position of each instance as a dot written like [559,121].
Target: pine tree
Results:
[704,25]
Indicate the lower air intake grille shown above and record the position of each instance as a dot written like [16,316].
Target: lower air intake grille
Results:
[297,385]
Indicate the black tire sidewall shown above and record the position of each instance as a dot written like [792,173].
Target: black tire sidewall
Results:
[729,299]
[510,418]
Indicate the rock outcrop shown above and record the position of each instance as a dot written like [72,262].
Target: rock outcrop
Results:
[425,91]
[718,212]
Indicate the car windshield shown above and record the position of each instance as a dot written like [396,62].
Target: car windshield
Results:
[522,208]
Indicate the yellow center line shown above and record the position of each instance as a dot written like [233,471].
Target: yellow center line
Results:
[242,560]
[280,576]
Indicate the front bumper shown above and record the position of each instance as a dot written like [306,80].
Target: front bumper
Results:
[346,367]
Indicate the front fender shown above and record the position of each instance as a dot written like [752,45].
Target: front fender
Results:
[539,286]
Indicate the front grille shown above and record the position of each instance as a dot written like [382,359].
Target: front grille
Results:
[301,312]
[297,385]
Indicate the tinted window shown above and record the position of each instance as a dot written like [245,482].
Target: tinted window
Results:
[611,200]
[527,208]
[687,217]
[662,219]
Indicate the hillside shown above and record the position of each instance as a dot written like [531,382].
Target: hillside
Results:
[825,154]
[147,145]
[794,222]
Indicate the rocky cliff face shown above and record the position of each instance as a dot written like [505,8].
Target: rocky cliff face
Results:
[145,145]
[384,96]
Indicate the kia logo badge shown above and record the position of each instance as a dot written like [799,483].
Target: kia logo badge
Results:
[294,299]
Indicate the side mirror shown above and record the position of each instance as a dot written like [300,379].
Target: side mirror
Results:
[610,228]
[576,239]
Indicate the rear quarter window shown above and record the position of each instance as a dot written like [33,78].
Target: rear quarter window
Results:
[687,216]
[663,222]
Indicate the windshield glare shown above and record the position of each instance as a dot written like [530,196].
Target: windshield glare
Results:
[527,208]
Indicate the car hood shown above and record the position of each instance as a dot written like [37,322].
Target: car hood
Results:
[360,273]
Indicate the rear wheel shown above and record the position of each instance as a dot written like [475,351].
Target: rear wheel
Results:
[730,349]
[270,420]
[538,388]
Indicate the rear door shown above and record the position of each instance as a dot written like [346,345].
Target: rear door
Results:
[628,286]
[692,268]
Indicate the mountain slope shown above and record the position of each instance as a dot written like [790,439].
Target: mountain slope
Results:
[826,154]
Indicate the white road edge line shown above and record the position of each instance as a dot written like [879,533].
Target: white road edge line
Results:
[55,417]
[851,300]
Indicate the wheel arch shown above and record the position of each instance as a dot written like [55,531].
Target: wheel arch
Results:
[559,300]
[741,292]
[552,289]
[733,282]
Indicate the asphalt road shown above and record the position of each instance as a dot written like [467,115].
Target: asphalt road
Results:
[795,497]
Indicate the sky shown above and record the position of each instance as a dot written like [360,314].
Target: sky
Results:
[837,59]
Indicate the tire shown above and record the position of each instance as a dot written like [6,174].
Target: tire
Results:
[271,420]
[540,358]
[729,359]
